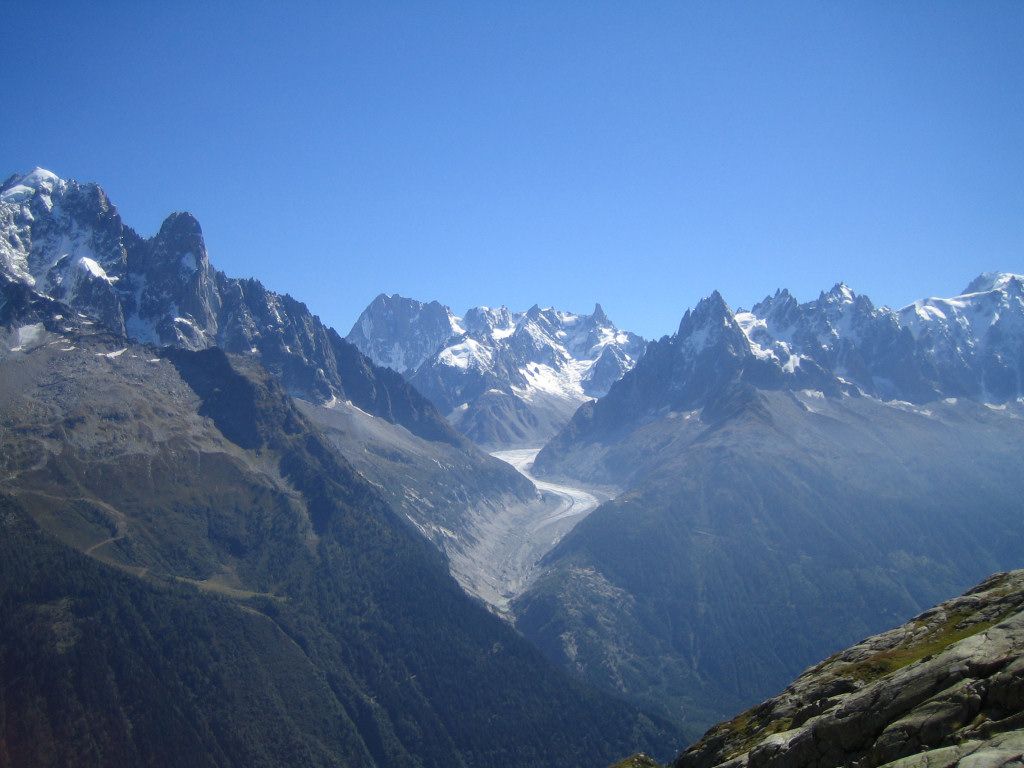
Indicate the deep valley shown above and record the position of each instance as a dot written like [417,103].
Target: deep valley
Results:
[232,536]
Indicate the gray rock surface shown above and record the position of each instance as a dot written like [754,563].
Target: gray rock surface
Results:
[944,689]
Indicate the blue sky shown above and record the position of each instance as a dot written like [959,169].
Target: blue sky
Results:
[637,154]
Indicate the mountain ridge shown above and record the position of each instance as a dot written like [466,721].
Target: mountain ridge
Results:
[193,575]
[839,345]
[504,378]
[66,239]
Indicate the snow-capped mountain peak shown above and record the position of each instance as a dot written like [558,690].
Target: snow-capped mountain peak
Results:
[401,333]
[495,367]
[840,293]
[971,345]
[39,183]
[65,241]
[711,324]
[995,281]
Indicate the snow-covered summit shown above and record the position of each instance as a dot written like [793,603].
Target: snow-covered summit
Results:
[528,370]
[65,241]
[971,345]
[974,342]
[38,182]
[401,333]
[840,293]
[995,281]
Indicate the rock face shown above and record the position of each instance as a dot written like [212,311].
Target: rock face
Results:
[66,240]
[946,689]
[454,497]
[503,378]
[401,333]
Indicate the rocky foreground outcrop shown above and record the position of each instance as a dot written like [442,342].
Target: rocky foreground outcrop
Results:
[945,689]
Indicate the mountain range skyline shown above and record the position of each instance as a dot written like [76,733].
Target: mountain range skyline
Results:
[512,155]
[533,369]
[330,310]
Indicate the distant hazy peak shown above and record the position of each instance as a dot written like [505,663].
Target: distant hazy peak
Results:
[708,310]
[968,346]
[840,293]
[994,281]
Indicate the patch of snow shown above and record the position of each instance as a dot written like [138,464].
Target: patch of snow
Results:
[697,341]
[843,293]
[141,330]
[112,355]
[467,353]
[394,358]
[41,178]
[92,267]
[28,335]
[543,378]
[18,193]
[928,311]
[992,281]
[349,404]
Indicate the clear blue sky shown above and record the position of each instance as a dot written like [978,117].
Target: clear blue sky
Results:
[638,154]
